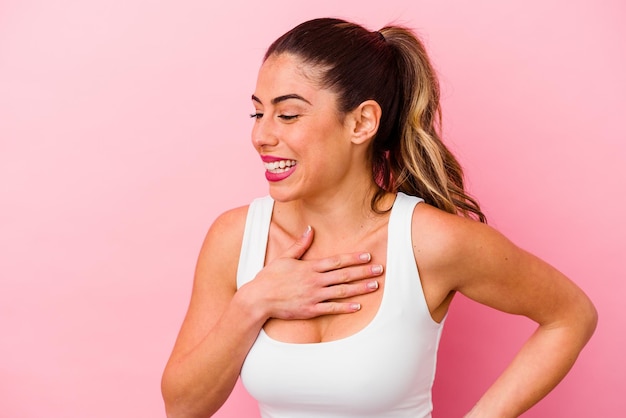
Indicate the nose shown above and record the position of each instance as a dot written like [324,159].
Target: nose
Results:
[263,133]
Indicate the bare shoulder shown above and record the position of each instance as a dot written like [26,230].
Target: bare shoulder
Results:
[446,248]
[226,232]
[220,250]
[231,223]
[443,240]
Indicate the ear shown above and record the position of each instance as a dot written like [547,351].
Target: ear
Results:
[366,121]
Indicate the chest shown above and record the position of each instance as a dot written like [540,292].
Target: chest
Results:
[332,327]
[381,364]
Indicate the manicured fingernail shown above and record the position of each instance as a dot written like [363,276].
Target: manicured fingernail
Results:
[355,306]
[373,285]
[365,257]
[377,269]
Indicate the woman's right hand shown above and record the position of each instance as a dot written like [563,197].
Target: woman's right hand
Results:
[292,288]
[222,322]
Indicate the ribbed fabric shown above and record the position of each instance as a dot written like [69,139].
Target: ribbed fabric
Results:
[385,370]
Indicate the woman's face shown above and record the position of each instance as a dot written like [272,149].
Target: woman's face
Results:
[299,132]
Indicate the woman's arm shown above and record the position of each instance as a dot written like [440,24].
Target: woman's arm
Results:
[222,322]
[216,332]
[474,259]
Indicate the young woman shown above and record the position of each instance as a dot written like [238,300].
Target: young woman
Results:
[329,295]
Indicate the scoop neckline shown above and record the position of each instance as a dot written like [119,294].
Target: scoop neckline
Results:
[372,323]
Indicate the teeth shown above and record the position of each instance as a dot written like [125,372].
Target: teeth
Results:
[279,166]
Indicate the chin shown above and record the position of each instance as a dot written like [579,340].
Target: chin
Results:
[281,195]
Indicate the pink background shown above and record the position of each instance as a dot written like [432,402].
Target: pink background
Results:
[124,131]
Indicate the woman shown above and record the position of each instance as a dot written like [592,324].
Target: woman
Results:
[313,294]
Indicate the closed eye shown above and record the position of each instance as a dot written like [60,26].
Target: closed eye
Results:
[257,115]
[288,117]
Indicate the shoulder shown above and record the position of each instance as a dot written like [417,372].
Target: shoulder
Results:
[230,222]
[222,243]
[436,229]
[228,227]
[455,247]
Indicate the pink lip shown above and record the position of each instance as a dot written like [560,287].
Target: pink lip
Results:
[279,176]
[273,177]
[271,158]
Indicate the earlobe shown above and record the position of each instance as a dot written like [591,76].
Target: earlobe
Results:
[367,119]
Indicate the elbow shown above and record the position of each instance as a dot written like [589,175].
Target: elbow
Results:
[583,321]
[178,408]
[170,398]
[172,412]
[182,410]
[181,402]
[577,323]
[174,402]
[591,322]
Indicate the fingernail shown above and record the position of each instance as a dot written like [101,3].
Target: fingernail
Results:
[307,231]
[373,285]
[355,306]
[377,269]
[365,257]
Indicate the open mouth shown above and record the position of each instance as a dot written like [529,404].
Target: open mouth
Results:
[277,167]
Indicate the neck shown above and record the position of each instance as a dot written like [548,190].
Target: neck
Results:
[335,217]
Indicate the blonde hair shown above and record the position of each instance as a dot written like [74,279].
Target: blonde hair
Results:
[422,165]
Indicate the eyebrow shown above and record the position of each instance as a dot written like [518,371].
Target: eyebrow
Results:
[279,99]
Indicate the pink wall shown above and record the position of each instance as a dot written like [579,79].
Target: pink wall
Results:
[124,132]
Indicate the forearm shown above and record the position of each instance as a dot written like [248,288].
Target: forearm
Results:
[540,365]
[197,383]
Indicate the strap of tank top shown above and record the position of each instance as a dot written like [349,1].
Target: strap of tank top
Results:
[254,244]
[404,205]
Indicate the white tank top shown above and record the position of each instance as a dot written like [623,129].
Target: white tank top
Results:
[385,370]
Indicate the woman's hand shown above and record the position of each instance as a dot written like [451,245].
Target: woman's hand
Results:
[292,288]
[222,322]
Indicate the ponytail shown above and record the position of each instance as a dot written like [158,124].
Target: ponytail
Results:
[419,162]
